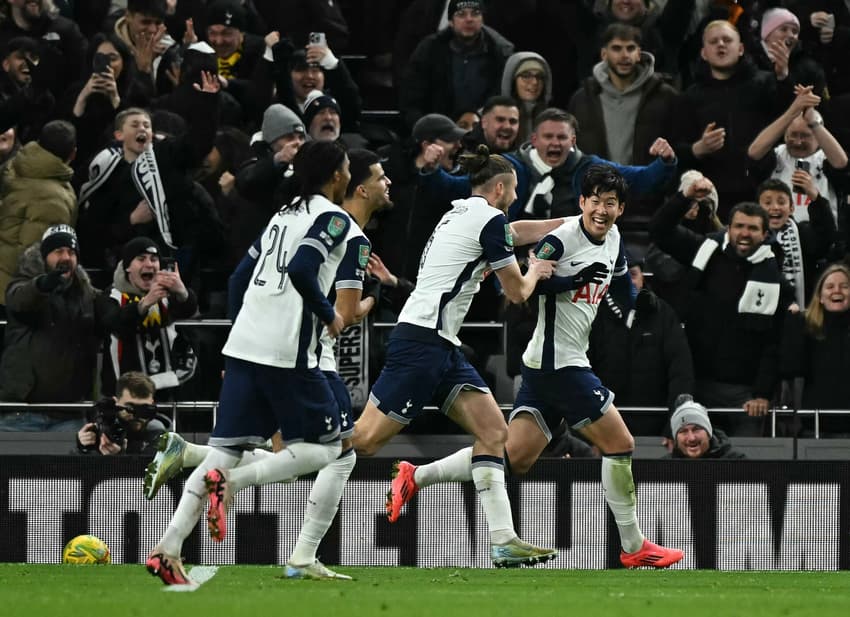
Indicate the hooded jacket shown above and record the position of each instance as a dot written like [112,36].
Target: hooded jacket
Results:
[621,126]
[36,193]
[527,111]
[51,339]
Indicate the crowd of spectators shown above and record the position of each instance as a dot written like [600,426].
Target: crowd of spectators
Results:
[144,144]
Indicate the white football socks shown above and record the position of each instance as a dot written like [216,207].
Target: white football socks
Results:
[619,487]
[193,499]
[488,474]
[456,467]
[194,454]
[293,461]
[322,506]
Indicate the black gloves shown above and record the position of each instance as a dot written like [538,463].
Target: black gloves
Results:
[646,301]
[594,273]
[372,288]
[50,281]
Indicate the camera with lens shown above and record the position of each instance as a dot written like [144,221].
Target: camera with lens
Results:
[119,422]
[107,422]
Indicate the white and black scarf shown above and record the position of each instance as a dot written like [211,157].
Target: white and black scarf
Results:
[760,299]
[146,178]
[792,262]
[543,188]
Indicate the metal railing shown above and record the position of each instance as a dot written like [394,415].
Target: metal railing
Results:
[176,406]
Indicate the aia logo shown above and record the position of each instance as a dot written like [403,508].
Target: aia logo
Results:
[592,293]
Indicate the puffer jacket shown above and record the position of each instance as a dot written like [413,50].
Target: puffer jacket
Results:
[36,193]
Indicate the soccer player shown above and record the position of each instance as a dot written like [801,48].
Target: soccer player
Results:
[424,361]
[272,379]
[367,193]
[557,381]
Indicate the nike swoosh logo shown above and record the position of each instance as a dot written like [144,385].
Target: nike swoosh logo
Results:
[576,263]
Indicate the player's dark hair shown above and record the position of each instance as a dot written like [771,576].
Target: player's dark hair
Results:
[314,166]
[59,138]
[483,166]
[624,32]
[750,208]
[136,383]
[774,184]
[555,114]
[602,179]
[360,161]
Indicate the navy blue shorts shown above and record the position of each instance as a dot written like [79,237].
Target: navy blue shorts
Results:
[416,374]
[573,393]
[257,400]
[343,399]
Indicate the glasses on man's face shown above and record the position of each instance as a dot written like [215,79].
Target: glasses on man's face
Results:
[531,76]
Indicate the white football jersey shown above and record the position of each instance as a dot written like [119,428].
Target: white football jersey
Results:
[349,275]
[471,238]
[785,166]
[274,326]
[564,319]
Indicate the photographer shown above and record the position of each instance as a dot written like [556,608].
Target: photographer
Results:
[126,424]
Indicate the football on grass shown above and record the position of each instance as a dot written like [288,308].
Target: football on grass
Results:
[85,550]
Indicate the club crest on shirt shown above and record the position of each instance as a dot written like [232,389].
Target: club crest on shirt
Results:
[509,239]
[546,251]
[363,257]
[336,226]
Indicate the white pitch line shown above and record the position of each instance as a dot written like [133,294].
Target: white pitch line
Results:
[199,574]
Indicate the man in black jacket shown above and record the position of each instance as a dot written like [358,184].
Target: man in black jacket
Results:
[738,298]
[642,354]
[456,69]
[718,116]
[245,74]
[52,336]
[265,182]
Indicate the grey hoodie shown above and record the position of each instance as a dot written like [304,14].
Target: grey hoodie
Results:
[526,113]
[620,109]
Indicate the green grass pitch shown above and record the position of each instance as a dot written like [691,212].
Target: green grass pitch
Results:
[257,591]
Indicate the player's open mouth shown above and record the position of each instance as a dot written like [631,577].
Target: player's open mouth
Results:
[148,276]
[141,138]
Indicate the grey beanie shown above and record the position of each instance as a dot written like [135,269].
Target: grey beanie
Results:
[690,412]
[279,120]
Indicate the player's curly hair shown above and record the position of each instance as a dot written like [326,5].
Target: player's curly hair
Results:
[483,166]
[314,166]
